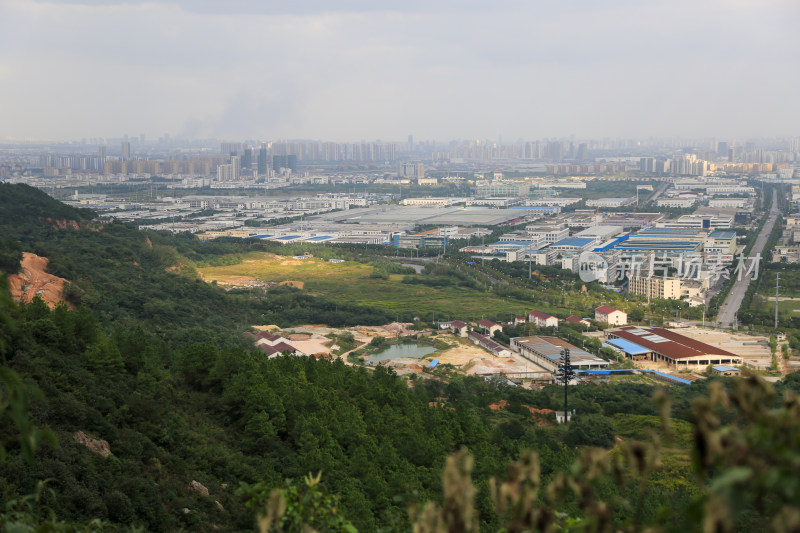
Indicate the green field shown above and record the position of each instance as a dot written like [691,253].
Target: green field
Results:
[786,308]
[350,281]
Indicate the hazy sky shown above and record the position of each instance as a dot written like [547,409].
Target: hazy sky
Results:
[356,69]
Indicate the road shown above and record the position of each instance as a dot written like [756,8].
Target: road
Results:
[727,312]
[659,192]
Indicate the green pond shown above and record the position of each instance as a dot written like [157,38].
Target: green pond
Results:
[395,351]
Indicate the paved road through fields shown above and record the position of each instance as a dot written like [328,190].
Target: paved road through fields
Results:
[731,305]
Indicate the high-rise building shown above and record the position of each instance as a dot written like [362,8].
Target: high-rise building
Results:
[583,152]
[225,172]
[247,161]
[236,162]
[285,162]
[262,162]
[126,150]
[231,148]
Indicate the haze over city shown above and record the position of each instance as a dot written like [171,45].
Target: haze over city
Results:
[360,70]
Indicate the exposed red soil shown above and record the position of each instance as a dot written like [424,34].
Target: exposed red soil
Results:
[34,281]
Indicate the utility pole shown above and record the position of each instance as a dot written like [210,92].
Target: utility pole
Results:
[777,278]
[564,375]
[529,263]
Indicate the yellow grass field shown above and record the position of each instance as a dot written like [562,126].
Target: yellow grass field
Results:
[350,281]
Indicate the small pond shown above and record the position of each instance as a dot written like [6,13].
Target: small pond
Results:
[417,351]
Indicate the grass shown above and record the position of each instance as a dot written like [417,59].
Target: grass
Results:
[790,308]
[350,281]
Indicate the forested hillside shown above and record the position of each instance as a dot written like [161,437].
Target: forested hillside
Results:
[128,277]
[150,361]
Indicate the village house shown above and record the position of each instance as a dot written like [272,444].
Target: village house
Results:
[272,344]
[459,328]
[542,320]
[572,319]
[612,316]
[489,327]
[488,344]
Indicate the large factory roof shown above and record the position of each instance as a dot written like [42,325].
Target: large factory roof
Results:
[454,216]
[550,349]
[667,342]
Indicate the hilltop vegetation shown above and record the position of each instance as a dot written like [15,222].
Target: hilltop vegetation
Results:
[127,277]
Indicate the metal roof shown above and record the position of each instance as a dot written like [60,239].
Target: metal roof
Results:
[722,235]
[628,347]
[550,348]
[725,368]
[668,343]
[573,241]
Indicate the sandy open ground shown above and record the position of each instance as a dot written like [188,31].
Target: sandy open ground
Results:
[465,356]
[754,349]
[34,281]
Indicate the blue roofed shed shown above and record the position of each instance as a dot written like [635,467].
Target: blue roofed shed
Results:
[725,370]
[631,350]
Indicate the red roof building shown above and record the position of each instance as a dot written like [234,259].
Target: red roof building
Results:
[459,328]
[577,320]
[490,326]
[673,348]
[542,320]
[609,315]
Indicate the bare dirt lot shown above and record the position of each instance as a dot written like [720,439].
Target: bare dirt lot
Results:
[753,349]
[34,281]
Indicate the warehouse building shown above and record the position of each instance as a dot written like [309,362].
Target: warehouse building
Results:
[665,345]
[546,352]
[664,240]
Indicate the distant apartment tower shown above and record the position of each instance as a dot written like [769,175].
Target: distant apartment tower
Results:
[284,161]
[228,172]
[126,150]
[412,170]
[231,148]
[655,287]
[583,152]
[262,162]
[101,155]
[247,160]
[236,161]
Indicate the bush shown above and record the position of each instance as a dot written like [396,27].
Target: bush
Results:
[591,430]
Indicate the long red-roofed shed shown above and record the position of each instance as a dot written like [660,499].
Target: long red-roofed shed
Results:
[673,348]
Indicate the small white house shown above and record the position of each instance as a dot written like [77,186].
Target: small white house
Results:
[612,316]
[542,320]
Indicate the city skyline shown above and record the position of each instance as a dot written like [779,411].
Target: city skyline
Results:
[453,70]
